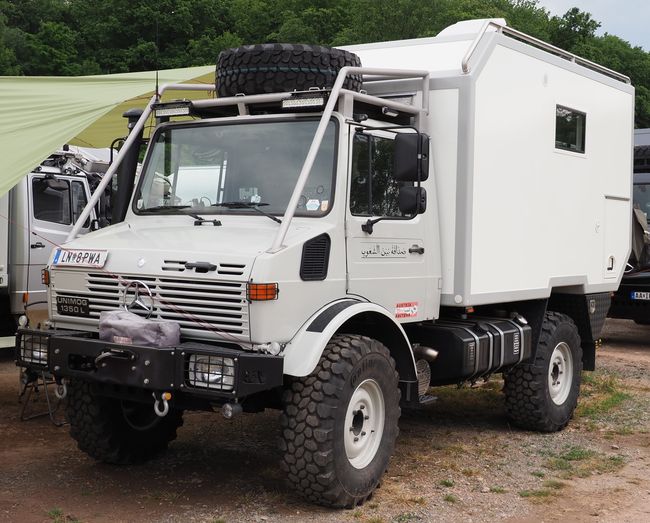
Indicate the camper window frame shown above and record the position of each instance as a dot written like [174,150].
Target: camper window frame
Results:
[579,144]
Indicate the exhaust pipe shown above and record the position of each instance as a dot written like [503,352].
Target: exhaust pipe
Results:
[426,353]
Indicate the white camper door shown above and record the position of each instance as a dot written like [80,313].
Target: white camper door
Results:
[388,266]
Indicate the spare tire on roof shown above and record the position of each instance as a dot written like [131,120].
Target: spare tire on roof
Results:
[275,68]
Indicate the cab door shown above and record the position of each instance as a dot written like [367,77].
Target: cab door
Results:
[55,203]
[387,260]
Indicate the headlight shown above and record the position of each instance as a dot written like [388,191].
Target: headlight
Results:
[33,349]
[211,372]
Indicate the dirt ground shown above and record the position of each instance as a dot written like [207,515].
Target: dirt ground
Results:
[458,460]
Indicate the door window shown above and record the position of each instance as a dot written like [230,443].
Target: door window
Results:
[79,201]
[51,204]
[374,191]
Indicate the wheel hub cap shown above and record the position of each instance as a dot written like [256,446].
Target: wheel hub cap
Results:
[560,373]
[364,423]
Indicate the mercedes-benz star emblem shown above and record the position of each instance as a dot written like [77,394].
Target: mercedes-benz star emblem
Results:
[142,297]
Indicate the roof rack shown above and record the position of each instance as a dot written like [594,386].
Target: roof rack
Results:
[540,44]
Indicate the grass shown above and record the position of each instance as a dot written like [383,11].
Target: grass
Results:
[538,473]
[581,462]
[554,484]
[450,498]
[535,494]
[447,483]
[57,516]
[357,514]
[498,490]
[406,517]
[600,394]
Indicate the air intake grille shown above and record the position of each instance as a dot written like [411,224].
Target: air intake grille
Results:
[208,309]
[315,258]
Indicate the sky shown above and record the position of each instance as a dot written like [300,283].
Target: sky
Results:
[627,19]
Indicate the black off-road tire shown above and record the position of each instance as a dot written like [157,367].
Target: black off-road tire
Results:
[314,418]
[278,68]
[529,404]
[102,431]
[7,323]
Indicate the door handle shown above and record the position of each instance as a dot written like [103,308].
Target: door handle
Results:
[416,249]
[37,245]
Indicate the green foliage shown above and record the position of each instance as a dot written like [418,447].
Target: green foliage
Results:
[71,37]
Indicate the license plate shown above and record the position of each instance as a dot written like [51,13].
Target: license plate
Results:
[638,295]
[72,306]
[79,258]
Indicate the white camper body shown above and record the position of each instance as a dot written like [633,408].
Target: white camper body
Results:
[520,216]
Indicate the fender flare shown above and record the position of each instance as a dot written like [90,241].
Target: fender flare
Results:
[303,351]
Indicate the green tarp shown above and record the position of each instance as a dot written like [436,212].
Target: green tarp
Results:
[39,114]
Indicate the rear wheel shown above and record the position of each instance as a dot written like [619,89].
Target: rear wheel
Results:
[543,395]
[117,431]
[339,424]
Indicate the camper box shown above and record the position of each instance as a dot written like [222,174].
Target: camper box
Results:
[532,157]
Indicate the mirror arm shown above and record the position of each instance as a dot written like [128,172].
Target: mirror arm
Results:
[369,225]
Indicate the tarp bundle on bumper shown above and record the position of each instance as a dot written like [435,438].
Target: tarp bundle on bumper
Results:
[198,369]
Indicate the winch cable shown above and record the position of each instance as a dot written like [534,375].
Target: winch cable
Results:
[186,314]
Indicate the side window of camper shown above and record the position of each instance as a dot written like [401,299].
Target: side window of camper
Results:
[570,129]
[51,203]
[373,190]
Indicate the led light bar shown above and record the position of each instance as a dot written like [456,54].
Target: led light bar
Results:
[304,100]
[177,108]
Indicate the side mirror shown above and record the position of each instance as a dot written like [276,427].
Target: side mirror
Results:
[412,200]
[411,157]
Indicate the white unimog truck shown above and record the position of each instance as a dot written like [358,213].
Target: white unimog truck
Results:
[333,239]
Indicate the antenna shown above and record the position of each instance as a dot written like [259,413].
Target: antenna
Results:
[157,53]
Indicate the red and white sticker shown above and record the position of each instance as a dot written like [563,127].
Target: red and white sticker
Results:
[407,309]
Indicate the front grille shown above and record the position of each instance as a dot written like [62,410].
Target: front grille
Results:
[205,309]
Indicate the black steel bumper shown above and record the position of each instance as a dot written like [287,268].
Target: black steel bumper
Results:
[76,354]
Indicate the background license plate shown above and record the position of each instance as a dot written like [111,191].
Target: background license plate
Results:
[638,295]
[72,306]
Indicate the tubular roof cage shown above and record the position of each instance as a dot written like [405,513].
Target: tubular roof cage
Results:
[369,75]
[242,103]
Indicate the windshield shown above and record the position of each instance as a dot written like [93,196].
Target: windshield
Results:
[641,197]
[245,167]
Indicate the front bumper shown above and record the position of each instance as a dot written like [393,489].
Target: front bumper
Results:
[77,355]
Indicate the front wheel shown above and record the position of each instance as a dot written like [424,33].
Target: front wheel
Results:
[542,395]
[339,424]
[118,431]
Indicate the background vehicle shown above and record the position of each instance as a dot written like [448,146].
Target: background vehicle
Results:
[632,299]
[306,245]
[37,215]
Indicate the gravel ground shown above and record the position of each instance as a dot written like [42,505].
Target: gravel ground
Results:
[457,460]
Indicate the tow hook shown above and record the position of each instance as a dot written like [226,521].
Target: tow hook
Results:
[164,398]
[61,390]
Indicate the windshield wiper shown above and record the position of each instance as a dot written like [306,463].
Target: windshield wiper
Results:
[164,208]
[247,205]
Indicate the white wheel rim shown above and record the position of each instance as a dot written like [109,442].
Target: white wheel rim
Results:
[364,423]
[560,373]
